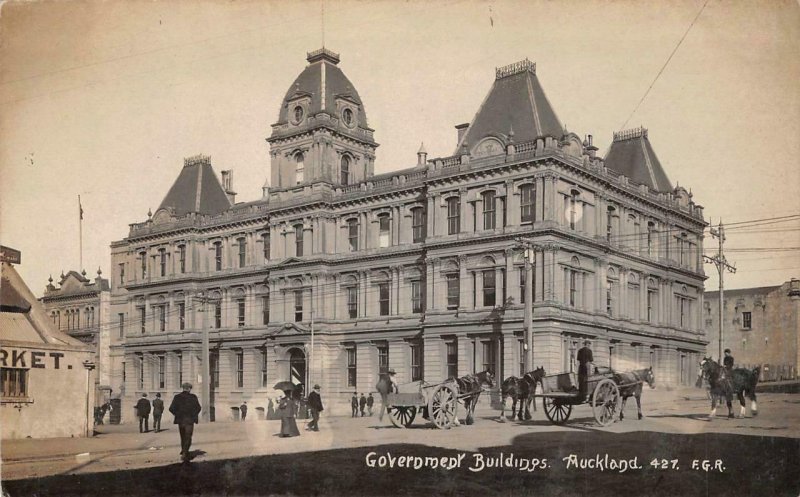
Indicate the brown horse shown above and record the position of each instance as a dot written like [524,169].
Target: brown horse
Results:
[469,390]
[631,382]
[520,390]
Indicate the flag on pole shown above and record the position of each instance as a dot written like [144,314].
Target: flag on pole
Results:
[80,207]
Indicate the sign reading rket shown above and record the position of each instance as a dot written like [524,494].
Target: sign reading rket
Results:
[16,358]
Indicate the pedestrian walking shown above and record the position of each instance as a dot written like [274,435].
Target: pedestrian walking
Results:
[185,407]
[362,404]
[315,403]
[243,410]
[370,403]
[143,413]
[158,410]
[287,412]
[354,404]
[386,384]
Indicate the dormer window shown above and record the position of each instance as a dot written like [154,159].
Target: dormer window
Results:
[299,113]
[347,117]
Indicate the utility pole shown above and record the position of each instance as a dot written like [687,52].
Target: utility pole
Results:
[722,265]
[205,367]
[528,255]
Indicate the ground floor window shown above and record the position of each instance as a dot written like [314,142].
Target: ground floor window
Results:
[383,359]
[490,356]
[14,383]
[416,360]
[351,367]
[452,359]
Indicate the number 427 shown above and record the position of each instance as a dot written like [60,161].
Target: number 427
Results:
[664,463]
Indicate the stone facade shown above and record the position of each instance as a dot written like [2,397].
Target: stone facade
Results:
[761,327]
[338,273]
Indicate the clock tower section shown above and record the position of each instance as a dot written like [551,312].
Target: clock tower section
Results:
[321,135]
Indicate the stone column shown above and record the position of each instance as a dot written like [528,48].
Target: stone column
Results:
[463,207]
[463,302]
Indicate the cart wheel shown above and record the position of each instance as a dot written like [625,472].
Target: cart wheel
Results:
[402,416]
[442,406]
[556,412]
[605,402]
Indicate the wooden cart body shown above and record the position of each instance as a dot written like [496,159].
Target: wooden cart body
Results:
[560,392]
[437,402]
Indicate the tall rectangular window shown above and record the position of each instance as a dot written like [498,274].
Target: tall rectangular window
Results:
[162,318]
[418,224]
[453,215]
[383,359]
[416,360]
[214,368]
[573,287]
[122,273]
[610,224]
[352,302]
[264,364]
[162,261]
[242,242]
[143,258]
[651,238]
[218,256]
[239,369]
[181,316]
[383,298]
[265,247]
[179,368]
[452,359]
[351,367]
[265,309]
[747,320]
[489,288]
[489,207]
[453,291]
[416,297]
[15,383]
[610,297]
[218,314]
[121,318]
[162,371]
[527,204]
[298,306]
[521,349]
[140,379]
[573,211]
[384,234]
[490,356]
[298,240]
[182,258]
[522,281]
[240,321]
[142,320]
[352,234]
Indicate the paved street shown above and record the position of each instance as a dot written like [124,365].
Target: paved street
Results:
[675,426]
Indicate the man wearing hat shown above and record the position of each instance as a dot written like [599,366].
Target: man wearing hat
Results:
[158,410]
[728,361]
[143,413]
[386,384]
[584,359]
[185,407]
[315,404]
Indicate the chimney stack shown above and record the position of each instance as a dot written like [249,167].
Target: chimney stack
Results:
[462,129]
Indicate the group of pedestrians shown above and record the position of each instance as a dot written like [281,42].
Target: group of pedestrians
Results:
[143,409]
[362,404]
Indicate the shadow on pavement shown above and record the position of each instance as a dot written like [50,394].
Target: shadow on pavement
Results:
[752,466]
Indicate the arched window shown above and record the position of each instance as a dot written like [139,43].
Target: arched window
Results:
[574,209]
[652,300]
[345,170]
[489,210]
[299,167]
[527,203]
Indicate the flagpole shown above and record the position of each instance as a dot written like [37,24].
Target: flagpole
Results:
[80,233]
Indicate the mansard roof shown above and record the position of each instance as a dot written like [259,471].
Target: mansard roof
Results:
[323,81]
[516,102]
[197,189]
[632,155]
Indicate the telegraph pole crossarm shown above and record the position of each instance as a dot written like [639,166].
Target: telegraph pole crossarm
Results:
[527,247]
[722,265]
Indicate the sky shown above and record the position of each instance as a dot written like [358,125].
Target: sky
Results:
[105,99]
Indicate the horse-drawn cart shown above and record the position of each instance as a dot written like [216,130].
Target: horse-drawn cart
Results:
[438,403]
[560,393]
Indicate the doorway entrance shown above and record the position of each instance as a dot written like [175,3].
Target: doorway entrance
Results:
[297,366]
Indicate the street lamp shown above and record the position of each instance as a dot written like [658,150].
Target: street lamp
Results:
[89,365]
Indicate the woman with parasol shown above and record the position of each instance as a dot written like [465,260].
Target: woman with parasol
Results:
[286,410]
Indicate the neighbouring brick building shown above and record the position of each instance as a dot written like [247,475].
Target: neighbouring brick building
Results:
[761,327]
[417,269]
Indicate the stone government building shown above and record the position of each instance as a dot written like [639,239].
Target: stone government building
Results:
[418,269]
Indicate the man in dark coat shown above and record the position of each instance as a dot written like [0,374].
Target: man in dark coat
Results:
[315,404]
[370,403]
[185,407]
[728,361]
[354,404]
[143,412]
[386,385]
[158,410]
[584,359]
[362,404]
[243,410]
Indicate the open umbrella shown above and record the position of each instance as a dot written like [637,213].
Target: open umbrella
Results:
[285,385]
